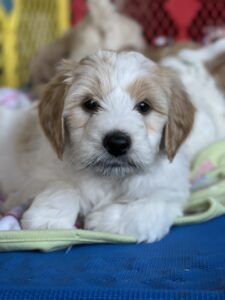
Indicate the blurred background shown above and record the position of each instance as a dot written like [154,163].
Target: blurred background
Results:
[26,26]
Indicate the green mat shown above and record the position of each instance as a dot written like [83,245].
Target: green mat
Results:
[207,198]
[207,201]
[48,240]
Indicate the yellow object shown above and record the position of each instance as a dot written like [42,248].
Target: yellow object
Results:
[25,27]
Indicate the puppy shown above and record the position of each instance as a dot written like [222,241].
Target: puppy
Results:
[110,125]
[104,143]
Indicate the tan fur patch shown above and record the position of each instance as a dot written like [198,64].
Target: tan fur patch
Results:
[146,89]
[50,113]
[180,118]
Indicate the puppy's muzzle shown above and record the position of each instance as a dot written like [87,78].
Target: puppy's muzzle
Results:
[117,143]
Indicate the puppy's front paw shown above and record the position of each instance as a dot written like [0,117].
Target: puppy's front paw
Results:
[46,218]
[106,219]
[55,208]
[146,223]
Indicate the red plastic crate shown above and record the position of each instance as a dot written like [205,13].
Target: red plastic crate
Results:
[176,19]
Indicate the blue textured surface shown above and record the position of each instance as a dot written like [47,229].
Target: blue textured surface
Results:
[188,264]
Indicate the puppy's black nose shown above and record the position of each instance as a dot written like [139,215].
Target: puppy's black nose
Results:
[117,143]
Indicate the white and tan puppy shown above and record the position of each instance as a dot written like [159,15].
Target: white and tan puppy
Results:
[110,127]
[104,143]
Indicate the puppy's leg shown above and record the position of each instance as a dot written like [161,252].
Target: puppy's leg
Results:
[147,219]
[56,207]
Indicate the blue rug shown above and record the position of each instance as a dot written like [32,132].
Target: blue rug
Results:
[188,264]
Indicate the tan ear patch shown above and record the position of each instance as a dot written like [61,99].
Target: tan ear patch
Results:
[180,118]
[50,113]
[52,104]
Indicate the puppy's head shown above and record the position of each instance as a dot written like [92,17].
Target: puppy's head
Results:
[114,113]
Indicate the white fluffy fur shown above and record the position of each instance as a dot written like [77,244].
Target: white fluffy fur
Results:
[143,204]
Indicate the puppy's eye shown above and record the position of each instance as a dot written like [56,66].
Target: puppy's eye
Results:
[143,107]
[90,105]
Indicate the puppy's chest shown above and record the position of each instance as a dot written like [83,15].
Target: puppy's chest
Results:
[96,192]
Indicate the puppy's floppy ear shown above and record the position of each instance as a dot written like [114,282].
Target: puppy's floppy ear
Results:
[52,104]
[180,118]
